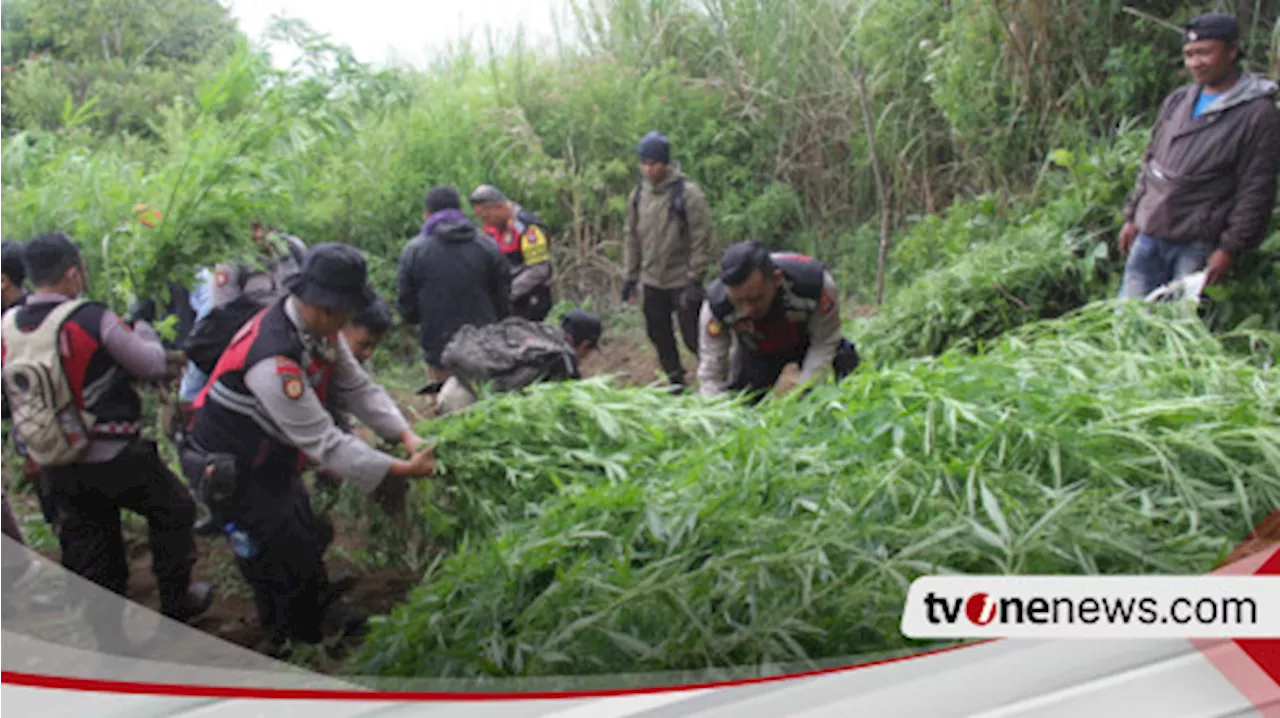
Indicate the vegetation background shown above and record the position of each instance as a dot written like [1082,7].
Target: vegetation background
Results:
[926,127]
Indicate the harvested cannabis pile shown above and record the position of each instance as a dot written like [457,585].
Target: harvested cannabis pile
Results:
[602,530]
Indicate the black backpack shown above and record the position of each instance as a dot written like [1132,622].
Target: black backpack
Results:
[211,335]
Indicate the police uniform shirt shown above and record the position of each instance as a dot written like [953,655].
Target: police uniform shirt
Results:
[260,285]
[280,385]
[717,349]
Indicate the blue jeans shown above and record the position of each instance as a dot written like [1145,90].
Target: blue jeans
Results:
[1154,262]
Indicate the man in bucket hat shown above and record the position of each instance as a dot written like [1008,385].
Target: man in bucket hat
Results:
[265,413]
[1207,185]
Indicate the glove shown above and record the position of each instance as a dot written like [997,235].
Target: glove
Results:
[690,295]
[629,290]
[144,310]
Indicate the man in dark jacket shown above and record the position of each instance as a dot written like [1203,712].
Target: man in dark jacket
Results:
[450,275]
[1208,180]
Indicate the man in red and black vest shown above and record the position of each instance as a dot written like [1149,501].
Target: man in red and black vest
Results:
[522,237]
[265,413]
[782,308]
[101,356]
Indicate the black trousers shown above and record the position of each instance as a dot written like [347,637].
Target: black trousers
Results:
[287,572]
[756,374]
[659,305]
[86,500]
[534,306]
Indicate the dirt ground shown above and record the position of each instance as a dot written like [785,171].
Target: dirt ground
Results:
[634,363]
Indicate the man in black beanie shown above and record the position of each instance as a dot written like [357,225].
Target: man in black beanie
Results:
[668,250]
[450,275]
[1207,185]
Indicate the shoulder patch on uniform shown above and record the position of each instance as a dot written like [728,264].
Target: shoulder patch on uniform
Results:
[715,328]
[826,303]
[220,278]
[292,385]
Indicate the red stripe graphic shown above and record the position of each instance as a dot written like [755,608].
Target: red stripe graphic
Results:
[1252,665]
[34,680]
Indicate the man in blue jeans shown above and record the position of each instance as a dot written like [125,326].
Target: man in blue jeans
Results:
[1207,186]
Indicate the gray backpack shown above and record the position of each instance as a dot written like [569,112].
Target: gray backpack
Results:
[512,354]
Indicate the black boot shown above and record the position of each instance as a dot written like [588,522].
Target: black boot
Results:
[193,602]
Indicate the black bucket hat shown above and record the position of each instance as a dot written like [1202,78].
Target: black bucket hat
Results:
[335,276]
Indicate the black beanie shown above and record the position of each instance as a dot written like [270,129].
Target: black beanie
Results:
[441,198]
[655,147]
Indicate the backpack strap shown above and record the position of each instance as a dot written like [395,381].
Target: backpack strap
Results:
[635,211]
[677,207]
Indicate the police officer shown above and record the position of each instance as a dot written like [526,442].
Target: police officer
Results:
[522,237]
[266,412]
[781,308]
[281,258]
[101,356]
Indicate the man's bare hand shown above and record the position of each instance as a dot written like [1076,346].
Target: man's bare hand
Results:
[1219,266]
[412,441]
[422,463]
[1128,233]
